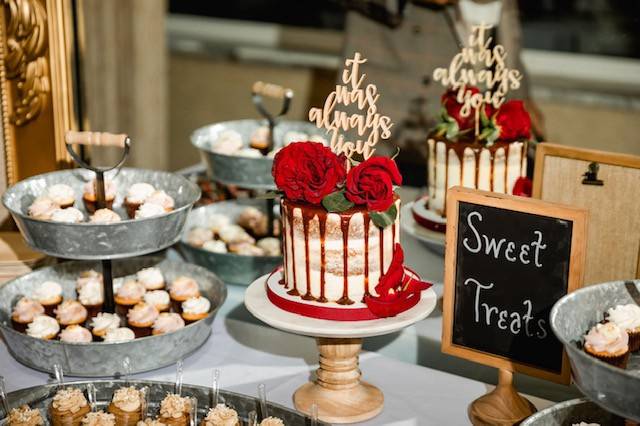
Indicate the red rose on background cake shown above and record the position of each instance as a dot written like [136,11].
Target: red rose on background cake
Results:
[371,183]
[307,171]
[452,106]
[513,121]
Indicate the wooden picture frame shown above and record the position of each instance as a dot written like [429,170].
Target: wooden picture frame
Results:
[37,85]
[613,251]
[519,204]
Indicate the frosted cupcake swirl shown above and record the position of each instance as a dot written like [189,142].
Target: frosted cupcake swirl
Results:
[42,208]
[626,317]
[104,322]
[75,334]
[99,418]
[157,298]
[184,288]
[162,199]
[90,191]
[131,290]
[218,221]
[221,415]
[198,236]
[121,334]
[149,210]
[88,276]
[68,215]
[142,313]
[25,416]
[127,399]
[42,327]
[196,305]
[26,310]
[105,216]
[61,194]
[69,399]
[227,143]
[608,338]
[138,192]
[48,291]
[71,311]
[91,293]
[150,278]
[174,406]
[168,322]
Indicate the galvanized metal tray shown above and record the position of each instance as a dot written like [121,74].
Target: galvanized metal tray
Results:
[573,412]
[99,359]
[614,389]
[40,397]
[249,173]
[88,241]
[230,267]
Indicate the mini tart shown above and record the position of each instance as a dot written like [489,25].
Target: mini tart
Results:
[99,418]
[24,312]
[195,309]
[68,408]
[221,415]
[126,406]
[175,410]
[43,327]
[71,312]
[141,317]
[627,317]
[608,343]
[25,416]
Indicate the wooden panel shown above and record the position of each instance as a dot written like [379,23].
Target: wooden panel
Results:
[613,241]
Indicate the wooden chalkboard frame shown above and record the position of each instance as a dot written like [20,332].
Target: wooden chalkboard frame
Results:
[576,215]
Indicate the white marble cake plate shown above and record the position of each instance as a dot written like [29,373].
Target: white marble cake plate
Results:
[338,391]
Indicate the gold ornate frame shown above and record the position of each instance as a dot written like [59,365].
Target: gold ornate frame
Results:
[37,84]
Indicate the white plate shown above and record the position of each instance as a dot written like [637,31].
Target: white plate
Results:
[256,301]
[434,240]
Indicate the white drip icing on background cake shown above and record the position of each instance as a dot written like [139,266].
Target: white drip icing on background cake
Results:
[473,165]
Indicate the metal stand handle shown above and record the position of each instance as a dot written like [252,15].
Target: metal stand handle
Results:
[100,139]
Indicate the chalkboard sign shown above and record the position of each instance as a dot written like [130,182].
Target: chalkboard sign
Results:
[508,260]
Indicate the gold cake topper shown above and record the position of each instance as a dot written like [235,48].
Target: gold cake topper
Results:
[477,64]
[336,122]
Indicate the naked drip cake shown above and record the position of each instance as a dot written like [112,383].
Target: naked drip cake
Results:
[342,257]
[493,161]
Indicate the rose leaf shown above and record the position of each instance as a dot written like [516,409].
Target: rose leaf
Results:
[386,218]
[336,202]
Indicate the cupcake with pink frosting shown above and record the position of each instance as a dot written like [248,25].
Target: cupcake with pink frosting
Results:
[136,196]
[75,334]
[71,312]
[182,288]
[90,195]
[608,343]
[167,323]
[128,295]
[24,312]
[141,317]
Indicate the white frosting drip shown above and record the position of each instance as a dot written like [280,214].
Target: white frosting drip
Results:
[43,326]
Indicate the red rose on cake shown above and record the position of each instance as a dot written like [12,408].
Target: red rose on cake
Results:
[512,121]
[371,183]
[452,107]
[308,171]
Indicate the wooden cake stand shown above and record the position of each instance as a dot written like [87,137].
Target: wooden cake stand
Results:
[339,393]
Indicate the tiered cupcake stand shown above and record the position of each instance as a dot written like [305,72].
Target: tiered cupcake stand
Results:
[613,389]
[339,393]
[97,246]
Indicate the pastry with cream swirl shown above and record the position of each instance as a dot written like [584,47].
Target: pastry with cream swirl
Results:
[68,407]
[126,406]
[608,343]
[25,416]
[175,410]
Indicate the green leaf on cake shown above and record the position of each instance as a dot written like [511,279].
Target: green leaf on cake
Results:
[452,130]
[269,195]
[386,218]
[336,202]
[484,120]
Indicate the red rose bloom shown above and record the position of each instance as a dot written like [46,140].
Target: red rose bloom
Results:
[523,187]
[452,106]
[371,183]
[307,171]
[513,121]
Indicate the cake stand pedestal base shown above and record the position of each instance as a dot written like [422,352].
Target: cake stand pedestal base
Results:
[502,406]
[338,392]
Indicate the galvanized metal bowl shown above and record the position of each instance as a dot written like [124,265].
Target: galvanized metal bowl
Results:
[615,389]
[40,397]
[250,173]
[573,412]
[88,241]
[230,267]
[100,359]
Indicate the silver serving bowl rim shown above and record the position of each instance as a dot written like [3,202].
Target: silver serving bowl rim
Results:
[571,345]
[212,312]
[16,187]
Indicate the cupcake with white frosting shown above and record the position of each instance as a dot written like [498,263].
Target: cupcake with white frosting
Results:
[102,323]
[68,407]
[167,323]
[75,334]
[234,234]
[162,199]
[227,143]
[195,308]
[61,194]
[68,215]
[88,276]
[141,317]
[91,296]
[90,195]
[159,299]
[137,194]
[42,208]
[24,312]
[49,295]
[608,343]
[120,334]
[270,245]
[182,288]
[217,221]
[151,278]
[198,236]
[148,210]
[260,138]
[627,317]
[105,216]
[43,327]
[128,295]
[71,312]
